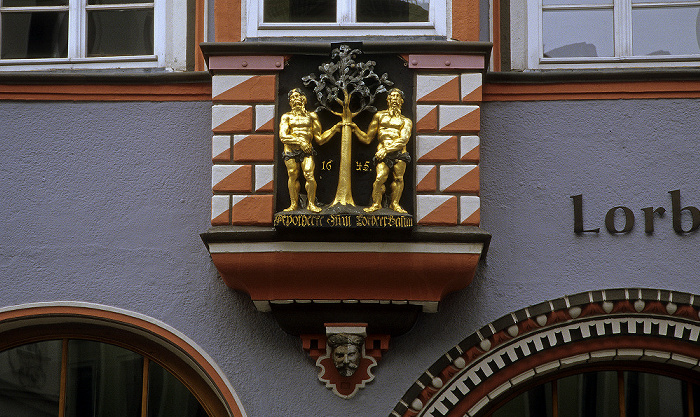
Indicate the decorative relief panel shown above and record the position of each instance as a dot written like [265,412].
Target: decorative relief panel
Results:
[324,155]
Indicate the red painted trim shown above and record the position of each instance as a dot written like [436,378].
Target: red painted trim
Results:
[227,20]
[339,275]
[465,20]
[108,92]
[591,91]
[496,37]
[161,333]
[446,62]
[247,63]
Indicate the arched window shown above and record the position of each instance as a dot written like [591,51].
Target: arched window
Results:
[629,352]
[610,391]
[77,359]
[77,377]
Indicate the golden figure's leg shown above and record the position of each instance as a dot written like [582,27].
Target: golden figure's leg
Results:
[378,187]
[293,184]
[397,187]
[308,168]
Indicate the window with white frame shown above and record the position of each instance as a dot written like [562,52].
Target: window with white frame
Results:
[346,17]
[613,32]
[74,32]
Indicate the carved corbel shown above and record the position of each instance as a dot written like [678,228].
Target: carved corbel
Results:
[345,356]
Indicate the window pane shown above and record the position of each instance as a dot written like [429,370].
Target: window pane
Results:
[393,10]
[589,395]
[650,395]
[28,3]
[576,2]
[97,2]
[577,33]
[103,380]
[658,1]
[534,403]
[120,32]
[167,397]
[299,11]
[34,35]
[30,377]
[650,34]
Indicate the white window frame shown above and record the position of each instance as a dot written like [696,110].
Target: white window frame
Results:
[345,24]
[532,30]
[169,41]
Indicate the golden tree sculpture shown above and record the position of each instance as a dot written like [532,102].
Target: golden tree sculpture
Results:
[346,88]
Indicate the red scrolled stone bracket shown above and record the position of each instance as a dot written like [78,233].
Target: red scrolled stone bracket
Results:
[345,356]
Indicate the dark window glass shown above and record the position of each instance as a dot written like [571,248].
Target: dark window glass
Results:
[103,380]
[34,35]
[30,380]
[651,395]
[30,3]
[598,394]
[98,2]
[299,11]
[168,397]
[120,32]
[392,10]
[592,394]
[534,403]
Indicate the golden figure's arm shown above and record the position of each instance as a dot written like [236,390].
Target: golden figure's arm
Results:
[404,135]
[371,130]
[322,137]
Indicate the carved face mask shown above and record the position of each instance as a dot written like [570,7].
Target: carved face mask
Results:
[346,359]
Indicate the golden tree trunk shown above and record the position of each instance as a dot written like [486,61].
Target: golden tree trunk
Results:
[343,194]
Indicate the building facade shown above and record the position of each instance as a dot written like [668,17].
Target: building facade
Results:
[545,265]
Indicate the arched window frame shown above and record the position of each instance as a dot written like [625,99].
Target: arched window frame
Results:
[628,325]
[146,336]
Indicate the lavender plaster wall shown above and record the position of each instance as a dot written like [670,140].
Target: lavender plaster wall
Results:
[104,203]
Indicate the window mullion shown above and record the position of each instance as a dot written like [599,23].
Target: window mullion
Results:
[64,379]
[623,27]
[345,11]
[74,29]
[144,388]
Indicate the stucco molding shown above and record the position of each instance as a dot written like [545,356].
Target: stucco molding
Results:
[632,324]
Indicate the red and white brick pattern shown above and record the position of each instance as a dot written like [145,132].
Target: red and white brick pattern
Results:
[243,117]
[447,148]
[447,114]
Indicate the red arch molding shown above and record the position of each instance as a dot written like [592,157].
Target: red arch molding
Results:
[630,327]
[144,335]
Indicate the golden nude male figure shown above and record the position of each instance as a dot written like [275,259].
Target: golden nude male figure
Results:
[298,129]
[393,130]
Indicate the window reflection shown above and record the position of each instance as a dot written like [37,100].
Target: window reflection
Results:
[96,379]
[34,35]
[392,10]
[120,32]
[534,403]
[297,11]
[606,394]
[590,394]
[650,37]
[167,397]
[29,380]
[103,380]
[579,33]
